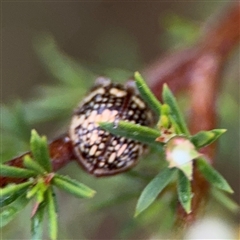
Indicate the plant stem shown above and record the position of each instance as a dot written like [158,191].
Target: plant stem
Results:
[198,70]
[61,154]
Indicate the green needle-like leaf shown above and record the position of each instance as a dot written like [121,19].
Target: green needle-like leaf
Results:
[18,126]
[225,200]
[38,190]
[33,191]
[39,149]
[133,131]
[16,172]
[72,186]
[214,177]
[29,163]
[37,222]
[52,214]
[147,94]
[153,189]
[10,193]
[205,138]
[175,125]
[184,191]
[59,64]
[175,111]
[9,212]
[41,193]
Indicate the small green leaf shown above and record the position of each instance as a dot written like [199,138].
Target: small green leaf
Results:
[72,186]
[33,191]
[11,192]
[9,212]
[18,126]
[153,189]
[21,124]
[181,32]
[213,177]
[29,163]
[38,190]
[184,191]
[55,99]
[225,200]
[16,172]
[187,169]
[39,150]
[175,111]
[205,138]
[42,189]
[37,222]
[133,131]
[59,64]
[175,125]
[52,214]
[147,94]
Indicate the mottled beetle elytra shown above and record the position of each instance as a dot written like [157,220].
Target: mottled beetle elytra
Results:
[99,152]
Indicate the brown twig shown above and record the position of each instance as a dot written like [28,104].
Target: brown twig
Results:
[60,151]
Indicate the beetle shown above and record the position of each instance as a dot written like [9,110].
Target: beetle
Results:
[96,150]
[99,152]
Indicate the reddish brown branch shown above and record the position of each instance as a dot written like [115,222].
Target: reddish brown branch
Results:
[222,34]
[61,154]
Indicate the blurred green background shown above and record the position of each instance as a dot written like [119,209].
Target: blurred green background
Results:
[51,53]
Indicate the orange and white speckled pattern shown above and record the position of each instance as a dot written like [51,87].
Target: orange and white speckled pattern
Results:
[99,152]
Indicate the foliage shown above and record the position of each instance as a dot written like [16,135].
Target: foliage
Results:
[49,105]
[40,185]
[181,31]
[176,129]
